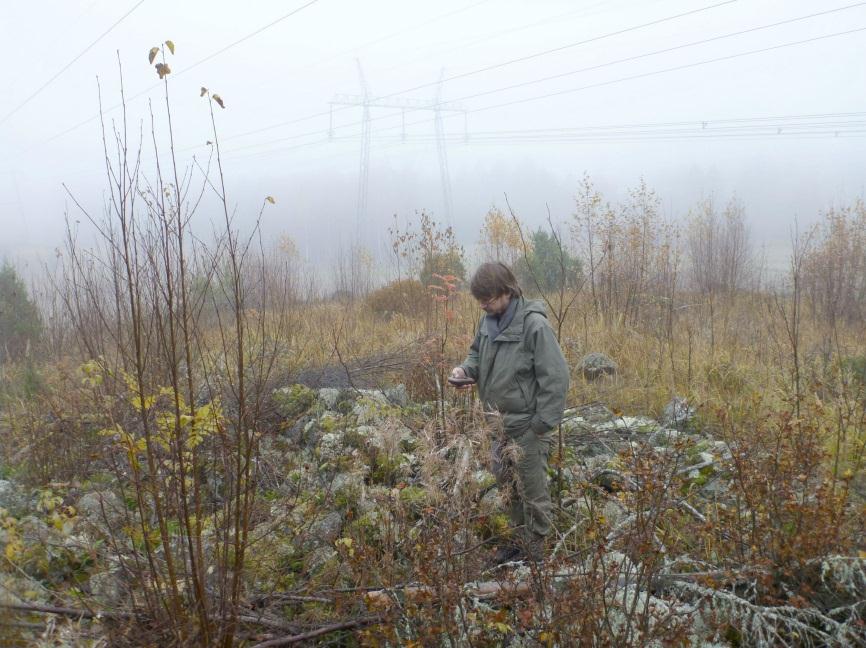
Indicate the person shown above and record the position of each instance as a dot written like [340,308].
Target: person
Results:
[522,380]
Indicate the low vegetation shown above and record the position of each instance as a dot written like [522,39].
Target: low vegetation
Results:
[199,448]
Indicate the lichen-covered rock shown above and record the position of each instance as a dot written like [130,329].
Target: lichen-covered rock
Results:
[293,401]
[323,531]
[107,588]
[328,397]
[665,437]
[594,413]
[347,489]
[101,508]
[320,558]
[295,431]
[35,532]
[631,424]
[596,365]
[678,414]
[12,497]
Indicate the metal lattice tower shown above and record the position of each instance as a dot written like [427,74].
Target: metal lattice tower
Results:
[367,101]
[440,149]
[364,173]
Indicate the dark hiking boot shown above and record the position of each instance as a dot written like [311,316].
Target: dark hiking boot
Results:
[532,549]
[505,553]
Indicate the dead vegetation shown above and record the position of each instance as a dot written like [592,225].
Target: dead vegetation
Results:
[219,456]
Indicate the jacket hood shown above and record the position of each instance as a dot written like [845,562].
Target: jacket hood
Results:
[515,329]
[534,306]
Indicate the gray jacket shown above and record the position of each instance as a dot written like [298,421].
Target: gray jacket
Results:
[523,374]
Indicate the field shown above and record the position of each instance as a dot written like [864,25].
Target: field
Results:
[200,446]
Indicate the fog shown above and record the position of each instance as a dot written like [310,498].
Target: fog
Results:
[762,100]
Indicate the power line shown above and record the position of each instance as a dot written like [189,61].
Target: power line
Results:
[251,35]
[562,48]
[551,77]
[69,65]
[665,50]
[675,68]
[599,66]
[644,74]
[395,144]
[784,122]
[187,69]
[491,67]
[362,46]
[425,55]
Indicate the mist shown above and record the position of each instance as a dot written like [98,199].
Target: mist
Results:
[718,99]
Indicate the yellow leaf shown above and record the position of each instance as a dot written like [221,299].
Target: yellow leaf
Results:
[170,45]
[152,55]
[219,100]
[13,549]
[271,200]
[203,91]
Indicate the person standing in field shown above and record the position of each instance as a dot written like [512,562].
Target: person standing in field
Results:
[522,378]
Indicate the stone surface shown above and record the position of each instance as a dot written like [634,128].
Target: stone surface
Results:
[99,507]
[107,588]
[324,531]
[596,365]
[294,400]
[678,414]
[12,497]
[329,397]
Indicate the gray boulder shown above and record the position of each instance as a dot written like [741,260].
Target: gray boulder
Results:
[324,531]
[678,414]
[295,433]
[13,498]
[328,397]
[596,365]
[107,587]
[102,508]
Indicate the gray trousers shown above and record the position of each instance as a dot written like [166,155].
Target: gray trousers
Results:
[520,467]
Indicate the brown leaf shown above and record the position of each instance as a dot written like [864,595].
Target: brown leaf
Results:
[170,45]
[203,91]
[162,69]
[219,100]
[152,54]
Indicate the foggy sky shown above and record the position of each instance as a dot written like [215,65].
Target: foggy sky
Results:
[274,79]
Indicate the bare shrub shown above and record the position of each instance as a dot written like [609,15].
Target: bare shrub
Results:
[500,238]
[719,249]
[173,408]
[632,254]
[407,297]
[835,269]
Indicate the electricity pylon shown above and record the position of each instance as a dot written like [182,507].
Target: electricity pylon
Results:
[367,101]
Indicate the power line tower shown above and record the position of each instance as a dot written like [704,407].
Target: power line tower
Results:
[367,101]
[440,149]
[364,173]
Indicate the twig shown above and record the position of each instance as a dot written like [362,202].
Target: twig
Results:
[318,632]
[269,598]
[70,612]
[697,466]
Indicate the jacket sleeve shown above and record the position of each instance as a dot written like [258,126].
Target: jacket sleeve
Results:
[470,364]
[551,372]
